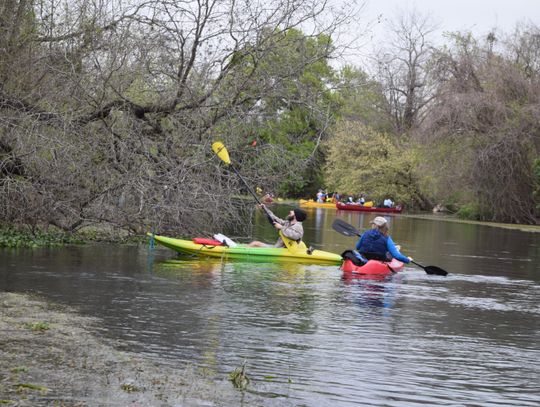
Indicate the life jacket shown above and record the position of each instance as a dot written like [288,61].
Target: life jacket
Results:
[373,245]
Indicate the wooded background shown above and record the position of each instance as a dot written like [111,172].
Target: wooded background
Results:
[108,110]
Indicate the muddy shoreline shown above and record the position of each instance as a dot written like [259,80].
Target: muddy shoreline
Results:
[49,355]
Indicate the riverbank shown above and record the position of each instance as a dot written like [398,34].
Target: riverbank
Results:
[453,218]
[49,355]
[17,237]
[25,237]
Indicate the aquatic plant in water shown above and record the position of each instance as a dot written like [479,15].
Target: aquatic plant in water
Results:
[37,326]
[239,378]
[14,238]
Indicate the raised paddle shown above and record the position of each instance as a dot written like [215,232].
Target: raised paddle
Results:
[349,230]
[223,155]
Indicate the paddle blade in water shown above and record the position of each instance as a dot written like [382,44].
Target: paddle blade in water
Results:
[435,270]
[221,152]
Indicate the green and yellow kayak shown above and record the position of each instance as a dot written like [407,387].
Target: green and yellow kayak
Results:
[294,252]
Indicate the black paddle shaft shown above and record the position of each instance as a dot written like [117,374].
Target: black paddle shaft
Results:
[246,184]
[253,194]
[349,230]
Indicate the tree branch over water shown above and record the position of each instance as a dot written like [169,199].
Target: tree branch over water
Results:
[122,101]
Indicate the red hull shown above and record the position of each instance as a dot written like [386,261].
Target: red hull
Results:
[373,267]
[360,208]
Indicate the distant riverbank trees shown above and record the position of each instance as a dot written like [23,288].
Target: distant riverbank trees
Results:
[474,135]
[108,111]
[485,125]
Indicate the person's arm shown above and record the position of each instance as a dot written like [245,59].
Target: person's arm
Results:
[274,218]
[294,232]
[358,244]
[390,245]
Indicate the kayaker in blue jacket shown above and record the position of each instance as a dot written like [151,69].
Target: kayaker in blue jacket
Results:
[376,243]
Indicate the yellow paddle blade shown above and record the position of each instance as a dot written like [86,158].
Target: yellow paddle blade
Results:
[221,151]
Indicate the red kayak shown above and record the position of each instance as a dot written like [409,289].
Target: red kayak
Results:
[372,267]
[361,208]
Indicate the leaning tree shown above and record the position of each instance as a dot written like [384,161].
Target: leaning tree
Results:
[484,129]
[108,109]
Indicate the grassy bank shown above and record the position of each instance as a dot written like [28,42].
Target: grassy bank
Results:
[25,237]
[51,356]
[454,218]
[22,236]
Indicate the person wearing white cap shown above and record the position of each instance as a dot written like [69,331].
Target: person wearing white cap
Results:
[376,243]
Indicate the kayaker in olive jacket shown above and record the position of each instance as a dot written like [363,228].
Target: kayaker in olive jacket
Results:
[290,227]
[376,243]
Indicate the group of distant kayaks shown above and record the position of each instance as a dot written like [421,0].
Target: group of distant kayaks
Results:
[349,206]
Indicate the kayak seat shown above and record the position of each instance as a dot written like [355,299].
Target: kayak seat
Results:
[293,245]
[356,258]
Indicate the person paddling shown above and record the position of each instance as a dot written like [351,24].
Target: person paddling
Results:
[291,227]
[376,243]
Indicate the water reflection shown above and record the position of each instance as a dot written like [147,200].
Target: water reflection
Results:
[373,291]
[310,335]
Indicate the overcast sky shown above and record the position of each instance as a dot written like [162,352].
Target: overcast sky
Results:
[477,16]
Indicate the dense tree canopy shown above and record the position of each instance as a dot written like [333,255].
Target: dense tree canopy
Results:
[108,110]
[485,130]
[363,161]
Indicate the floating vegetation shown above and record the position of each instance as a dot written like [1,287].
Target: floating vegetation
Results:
[129,388]
[21,237]
[21,387]
[57,358]
[37,326]
[239,378]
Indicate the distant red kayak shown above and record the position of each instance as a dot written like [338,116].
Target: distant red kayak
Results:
[372,267]
[361,208]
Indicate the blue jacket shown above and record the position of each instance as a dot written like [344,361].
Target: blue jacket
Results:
[373,241]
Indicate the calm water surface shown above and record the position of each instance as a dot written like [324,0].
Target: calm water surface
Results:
[311,337]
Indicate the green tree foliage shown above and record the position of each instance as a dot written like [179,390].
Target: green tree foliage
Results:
[362,99]
[293,115]
[109,108]
[484,130]
[362,160]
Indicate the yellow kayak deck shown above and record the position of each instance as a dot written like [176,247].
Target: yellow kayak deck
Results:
[312,204]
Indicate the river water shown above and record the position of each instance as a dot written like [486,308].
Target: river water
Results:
[308,335]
